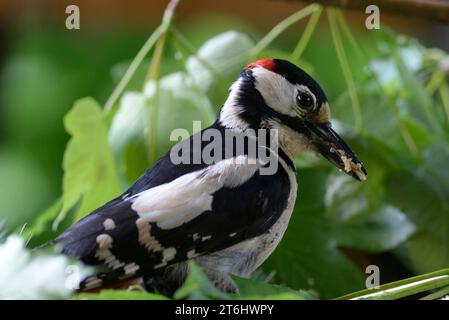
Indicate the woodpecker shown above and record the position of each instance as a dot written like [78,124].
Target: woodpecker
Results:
[225,214]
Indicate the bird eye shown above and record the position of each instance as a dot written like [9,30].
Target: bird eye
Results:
[304,100]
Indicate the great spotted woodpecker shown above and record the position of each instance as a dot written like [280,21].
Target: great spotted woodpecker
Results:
[224,214]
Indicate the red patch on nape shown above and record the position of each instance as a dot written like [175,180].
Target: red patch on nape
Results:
[264,63]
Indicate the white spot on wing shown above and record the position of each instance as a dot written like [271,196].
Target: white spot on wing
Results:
[109,224]
[131,268]
[104,253]
[145,237]
[205,238]
[167,255]
[93,282]
[104,241]
[152,244]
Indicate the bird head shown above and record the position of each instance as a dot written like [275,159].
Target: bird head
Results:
[276,94]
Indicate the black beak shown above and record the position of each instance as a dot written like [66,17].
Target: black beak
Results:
[334,149]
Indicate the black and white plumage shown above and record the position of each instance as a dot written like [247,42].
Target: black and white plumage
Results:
[226,215]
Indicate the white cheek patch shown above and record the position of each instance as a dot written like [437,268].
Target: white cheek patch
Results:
[278,93]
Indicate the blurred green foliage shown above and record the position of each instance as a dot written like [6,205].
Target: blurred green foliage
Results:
[395,84]
[46,69]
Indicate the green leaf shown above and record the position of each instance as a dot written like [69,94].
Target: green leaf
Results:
[417,186]
[308,256]
[198,287]
[252,289]
[379,119]
[224,54]
[365,221]
[120,295]
[277,296]
[178,106]
[424,199]
[384,230]
[346,199]
[180,100]
[90,175]
[127,136]
[420,101]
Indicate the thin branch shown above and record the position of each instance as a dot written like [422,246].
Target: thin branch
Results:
[132,69]
[433,10]
[341,54]
[185,43]
[153,76]
[437,294]
[403,288]
[282,26]
[444,93]
[154,69]
[155,36]
[307,34]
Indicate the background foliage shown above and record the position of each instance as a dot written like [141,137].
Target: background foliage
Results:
[389,98]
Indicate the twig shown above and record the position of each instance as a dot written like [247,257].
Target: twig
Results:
[306,35]
[132,69]
[336,37]
[153,76]
[403,288]
[153,71]
[433,10]
[155,36]
[282,26]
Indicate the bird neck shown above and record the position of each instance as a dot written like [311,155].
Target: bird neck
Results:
[277,144]
[230,114]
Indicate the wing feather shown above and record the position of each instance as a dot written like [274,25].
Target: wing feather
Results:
[176,212]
